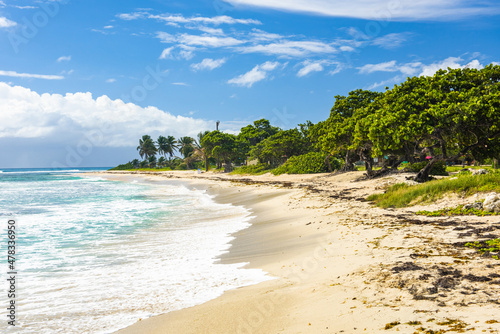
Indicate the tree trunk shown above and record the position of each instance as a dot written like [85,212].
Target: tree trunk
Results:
[327,162]
[369,167]
[206,164]
[349,163]
[495,163]
[423,174]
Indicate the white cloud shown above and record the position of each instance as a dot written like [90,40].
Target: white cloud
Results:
[260,35]
[290,48]
[211,31]
[310,67]
[166,53]
[257,74]
[451,62]
[30,76]
[108,27]
[132,16]
[208,64]
[198,40]
[72,118]
[63,58]
[111,80]
[391,41]
[415,68]
[25,7]
[381,9]
[179,84]
[495,63]
[6,23]
[408,69]
[385,83]
[216,20]
[2,4]
[389,66]
[208,41]
[347,48]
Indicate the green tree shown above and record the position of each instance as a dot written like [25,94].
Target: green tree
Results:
[146,147]
[201,151]
[221,146]
[161,161]
[166,145]
[186,146]
[336,134]
[251,135]
[280,146]
[152,161]
[449,115]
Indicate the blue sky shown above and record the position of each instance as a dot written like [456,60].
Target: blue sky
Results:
[81,81]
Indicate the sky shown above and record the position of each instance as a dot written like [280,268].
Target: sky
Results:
[82,80]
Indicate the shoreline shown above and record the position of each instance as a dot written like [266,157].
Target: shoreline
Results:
[341,265]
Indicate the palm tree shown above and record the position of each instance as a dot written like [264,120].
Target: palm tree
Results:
[201,151]
[146,147]
[186,146]
[152,161]
[135,163]
[166,145]
[161,161]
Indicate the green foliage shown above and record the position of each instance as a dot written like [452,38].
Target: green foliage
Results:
[403,195]
[439,168]
[489,246]
[337,132]
[146,147]
[126,166]
[310,163]
[284,144]
[253,169]
[458,211]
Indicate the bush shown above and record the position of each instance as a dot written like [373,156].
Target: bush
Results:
[253,169]
[439,167]
[126,166]
[310,163]
[181,166]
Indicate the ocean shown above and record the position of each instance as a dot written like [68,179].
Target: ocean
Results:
[94,256]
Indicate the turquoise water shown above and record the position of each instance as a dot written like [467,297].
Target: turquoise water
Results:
[94,255]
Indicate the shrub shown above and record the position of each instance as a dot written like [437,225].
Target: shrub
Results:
[253,169]
[126,166]
[439,167]
[310,163]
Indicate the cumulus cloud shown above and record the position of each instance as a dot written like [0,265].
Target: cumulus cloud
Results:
[381,9]
[6,23]
[258,73]
[208,64]
[418,68]
[451,62]
[30,76]
[54,118]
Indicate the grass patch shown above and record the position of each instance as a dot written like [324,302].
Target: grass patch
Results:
[458,211]
[402,195]
[258,169]
[489,246]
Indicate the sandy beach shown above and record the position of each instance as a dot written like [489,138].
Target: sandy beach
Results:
[340,264]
